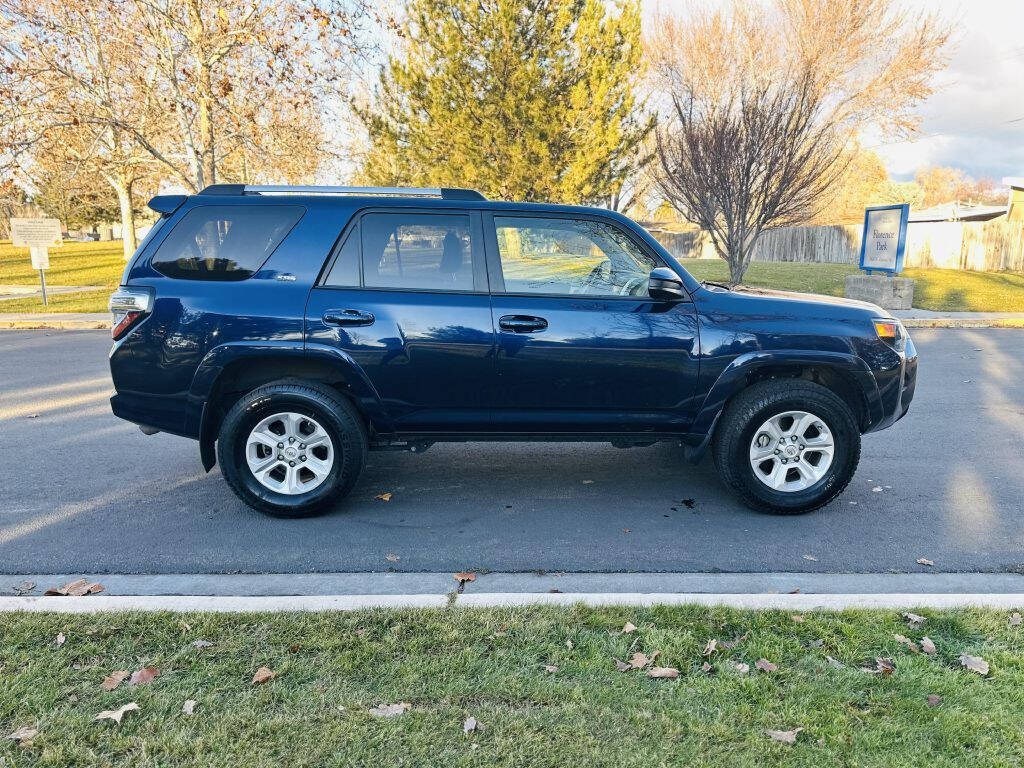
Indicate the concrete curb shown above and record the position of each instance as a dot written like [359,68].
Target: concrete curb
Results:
[69,321]
[225,604]
[952,322]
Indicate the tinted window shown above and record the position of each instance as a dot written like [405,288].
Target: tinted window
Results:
[409,250]
[345,271]
[224,242]
[570,256]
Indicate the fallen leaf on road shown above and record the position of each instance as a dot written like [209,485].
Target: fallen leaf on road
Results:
[144,675]
[1015,619]
[710,648]
[925,561]
[812,558]
[23,734]
[201,643]
[907,642]
[927,645]
[640,660]
[391,557]
[189,707]
[114,679]
[263,675]
[60,639]
[471,724]
[877,489]
[116,714]
[797,618]
[689,503]
[974,663]
[934,699]
[77,588]
[786,737]
[463,576]
[32,416]
[622,666]
[628,628]
[663,673]
[24,588]
[914,619]
[550,668]
[390,710]
[765,666]
[383,497]
[625,530]
[740,667]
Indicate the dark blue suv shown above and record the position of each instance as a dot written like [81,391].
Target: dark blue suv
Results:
[292,329]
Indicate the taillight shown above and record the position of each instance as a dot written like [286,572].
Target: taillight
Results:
[128,306]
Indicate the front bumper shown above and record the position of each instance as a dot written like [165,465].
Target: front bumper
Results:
[896,384]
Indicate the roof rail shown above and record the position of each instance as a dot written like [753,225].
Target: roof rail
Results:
[445,193]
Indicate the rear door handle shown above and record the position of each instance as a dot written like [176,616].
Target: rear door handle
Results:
[522,323]
[347,317]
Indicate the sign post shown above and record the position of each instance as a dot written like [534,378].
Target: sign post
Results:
[881,250]
[38,235]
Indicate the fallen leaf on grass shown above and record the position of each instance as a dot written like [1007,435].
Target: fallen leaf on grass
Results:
[24,734]
[914,619]
[927,645]
[786,737]
[883,667]
[797,618]
[568,644]
[201,643]
[116,714]
[765,666]
[144,675]
[263,675]
[1015,619]
[550,668]
[835,662]
[730,644]
[663,673]
[391,557]
[383,497]
[925,561]
[705,667]
[390,710]
[907,642]
[114,679]
[189,707]
[934,699]
[740,667]
[77,588]
[464,576]
[60,639]
[628,628]
[710,648]
[471,724]
[640,660]
[974,663]
[622,666]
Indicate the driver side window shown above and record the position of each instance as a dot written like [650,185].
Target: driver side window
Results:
[570,256]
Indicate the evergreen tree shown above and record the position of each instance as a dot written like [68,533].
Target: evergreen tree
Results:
[520,99]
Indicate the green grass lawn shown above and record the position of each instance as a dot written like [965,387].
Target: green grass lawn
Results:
[938,289]
[449,665]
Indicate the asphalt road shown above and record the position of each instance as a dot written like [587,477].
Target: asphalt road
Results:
[81,491]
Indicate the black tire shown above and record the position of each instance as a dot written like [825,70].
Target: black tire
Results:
[331,410]
[753,407]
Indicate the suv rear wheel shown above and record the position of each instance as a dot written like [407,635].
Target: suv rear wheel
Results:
[787,446]
[291,448]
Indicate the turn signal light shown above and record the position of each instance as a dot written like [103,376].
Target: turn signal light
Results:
[887,330]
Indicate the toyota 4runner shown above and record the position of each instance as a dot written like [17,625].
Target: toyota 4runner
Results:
[292,329]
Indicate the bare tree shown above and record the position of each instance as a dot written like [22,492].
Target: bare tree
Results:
[761,103]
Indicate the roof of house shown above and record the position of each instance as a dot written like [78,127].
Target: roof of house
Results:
[1017,182]
[958,212]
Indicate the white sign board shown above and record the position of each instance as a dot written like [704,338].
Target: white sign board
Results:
[885,232]
[40,257]
[41,233]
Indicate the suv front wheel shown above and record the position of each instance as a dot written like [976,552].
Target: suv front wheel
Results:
[291,448]
[787,446]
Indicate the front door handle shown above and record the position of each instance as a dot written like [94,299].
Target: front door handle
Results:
[522,323]
[347,317]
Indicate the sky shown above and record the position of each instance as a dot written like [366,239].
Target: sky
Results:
[975,119]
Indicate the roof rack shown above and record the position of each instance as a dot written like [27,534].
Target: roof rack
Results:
[445,193]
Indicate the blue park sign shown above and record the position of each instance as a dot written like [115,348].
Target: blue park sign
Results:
[884,239]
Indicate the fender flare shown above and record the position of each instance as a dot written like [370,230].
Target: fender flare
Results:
[324,357]
[734,377]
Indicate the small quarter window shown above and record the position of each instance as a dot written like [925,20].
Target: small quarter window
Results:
[345,272]
[224,242]
[410,250]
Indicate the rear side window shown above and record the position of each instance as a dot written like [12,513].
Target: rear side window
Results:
[409,250]
[224,242]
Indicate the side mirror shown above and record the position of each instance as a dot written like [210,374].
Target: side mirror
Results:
[665,285]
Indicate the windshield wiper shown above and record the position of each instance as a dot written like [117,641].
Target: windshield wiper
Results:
[706,283]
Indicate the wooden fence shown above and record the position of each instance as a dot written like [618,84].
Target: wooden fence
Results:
[988,246]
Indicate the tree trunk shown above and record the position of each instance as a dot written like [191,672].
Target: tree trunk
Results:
[124,198]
